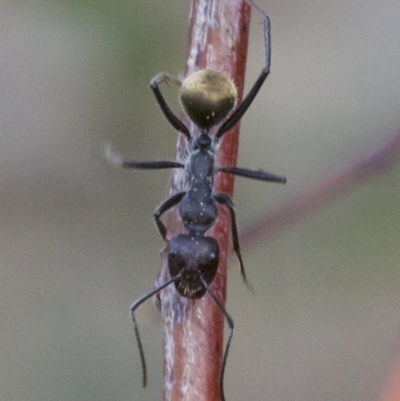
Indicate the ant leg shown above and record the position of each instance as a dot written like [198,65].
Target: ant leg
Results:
[118,160]
[170,202]
[238,113]
[168,113]
[133,307]
[255,174]
[227,201]
[228,343]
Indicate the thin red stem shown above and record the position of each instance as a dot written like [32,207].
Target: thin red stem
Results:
[193,330]
[361,169]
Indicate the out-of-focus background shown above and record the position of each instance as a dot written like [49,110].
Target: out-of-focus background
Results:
[77,239]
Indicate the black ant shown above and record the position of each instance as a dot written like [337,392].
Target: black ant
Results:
[207,97]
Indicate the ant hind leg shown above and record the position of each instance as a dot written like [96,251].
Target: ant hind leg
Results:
[168,113]
[239,112]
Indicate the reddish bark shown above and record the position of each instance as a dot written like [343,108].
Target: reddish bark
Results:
[193,330]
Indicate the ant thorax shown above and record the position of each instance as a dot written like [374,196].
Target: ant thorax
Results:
[198,209]
[206,146]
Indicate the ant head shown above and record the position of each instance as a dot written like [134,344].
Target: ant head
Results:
[193,256]
[207,97]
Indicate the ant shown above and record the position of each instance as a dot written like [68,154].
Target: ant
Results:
[207,96]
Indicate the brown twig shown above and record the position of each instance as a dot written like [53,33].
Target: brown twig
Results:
[193,330]
[391,389]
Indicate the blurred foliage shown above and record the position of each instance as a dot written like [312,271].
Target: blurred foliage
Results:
[78,244]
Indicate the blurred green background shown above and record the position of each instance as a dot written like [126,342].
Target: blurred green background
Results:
[78,244]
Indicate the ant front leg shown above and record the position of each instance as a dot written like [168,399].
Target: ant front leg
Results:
[238,113]
[168,113]
[227,201]
[168,204]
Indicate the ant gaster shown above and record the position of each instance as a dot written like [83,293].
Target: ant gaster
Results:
[207,97]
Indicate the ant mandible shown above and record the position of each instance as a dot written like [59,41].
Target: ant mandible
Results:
[207,97]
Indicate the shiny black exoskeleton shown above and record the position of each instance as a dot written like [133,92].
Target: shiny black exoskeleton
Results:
[207,97]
